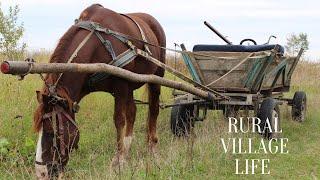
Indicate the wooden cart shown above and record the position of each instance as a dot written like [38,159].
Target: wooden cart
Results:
[254,81]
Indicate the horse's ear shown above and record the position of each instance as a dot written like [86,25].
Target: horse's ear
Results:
[39,97]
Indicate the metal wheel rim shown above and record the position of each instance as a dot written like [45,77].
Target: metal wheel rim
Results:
[303,110]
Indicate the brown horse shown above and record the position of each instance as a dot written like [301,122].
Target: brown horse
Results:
[54,117]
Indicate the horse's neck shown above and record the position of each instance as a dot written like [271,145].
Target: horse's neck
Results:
[74,83]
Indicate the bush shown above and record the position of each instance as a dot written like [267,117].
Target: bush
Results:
[10,34]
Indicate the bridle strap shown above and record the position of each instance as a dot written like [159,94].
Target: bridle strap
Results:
[56,116]
[70,119]
[50,114]
[54,126]
[61,135]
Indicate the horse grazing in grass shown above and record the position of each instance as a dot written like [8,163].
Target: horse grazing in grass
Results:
[54,117]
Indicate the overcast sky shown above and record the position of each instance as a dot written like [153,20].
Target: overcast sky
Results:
[45,21]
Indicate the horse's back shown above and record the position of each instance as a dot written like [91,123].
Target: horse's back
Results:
[97,12]
[152,29]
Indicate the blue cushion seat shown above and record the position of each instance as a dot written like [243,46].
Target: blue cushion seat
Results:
[237,48]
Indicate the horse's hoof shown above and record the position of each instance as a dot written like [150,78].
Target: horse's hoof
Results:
[118,161]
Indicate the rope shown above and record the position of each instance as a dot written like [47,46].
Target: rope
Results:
[235,67]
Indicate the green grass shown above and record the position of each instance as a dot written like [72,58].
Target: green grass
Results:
[177,159]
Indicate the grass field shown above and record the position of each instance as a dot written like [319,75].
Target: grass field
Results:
[199,158]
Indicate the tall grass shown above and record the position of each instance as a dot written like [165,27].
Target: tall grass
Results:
[199,158]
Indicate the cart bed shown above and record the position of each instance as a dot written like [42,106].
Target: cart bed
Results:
[263,71]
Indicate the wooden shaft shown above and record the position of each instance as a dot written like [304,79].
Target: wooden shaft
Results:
[22,68]
[217,33]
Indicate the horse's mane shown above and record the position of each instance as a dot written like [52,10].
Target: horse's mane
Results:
[59,54]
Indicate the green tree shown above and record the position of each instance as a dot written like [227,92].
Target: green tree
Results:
[296,42]
[11,33]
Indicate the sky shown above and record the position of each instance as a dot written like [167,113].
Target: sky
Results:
[45,21]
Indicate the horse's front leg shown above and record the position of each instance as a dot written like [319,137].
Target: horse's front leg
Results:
[130,119]
[154,93]
[119,117]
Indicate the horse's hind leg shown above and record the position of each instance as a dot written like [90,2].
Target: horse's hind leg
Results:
[119,117]
[130,118]
[154,93]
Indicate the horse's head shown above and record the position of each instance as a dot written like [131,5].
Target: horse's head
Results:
[58,132]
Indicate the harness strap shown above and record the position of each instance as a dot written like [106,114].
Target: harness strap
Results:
[122,60]
[143,36]
[89,25]
[119,61]
[75,53]
[107,44]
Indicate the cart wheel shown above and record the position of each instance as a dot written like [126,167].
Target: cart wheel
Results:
[182,119]
[299,106]
[269,109]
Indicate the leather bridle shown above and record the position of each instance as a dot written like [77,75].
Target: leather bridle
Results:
[57,122]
